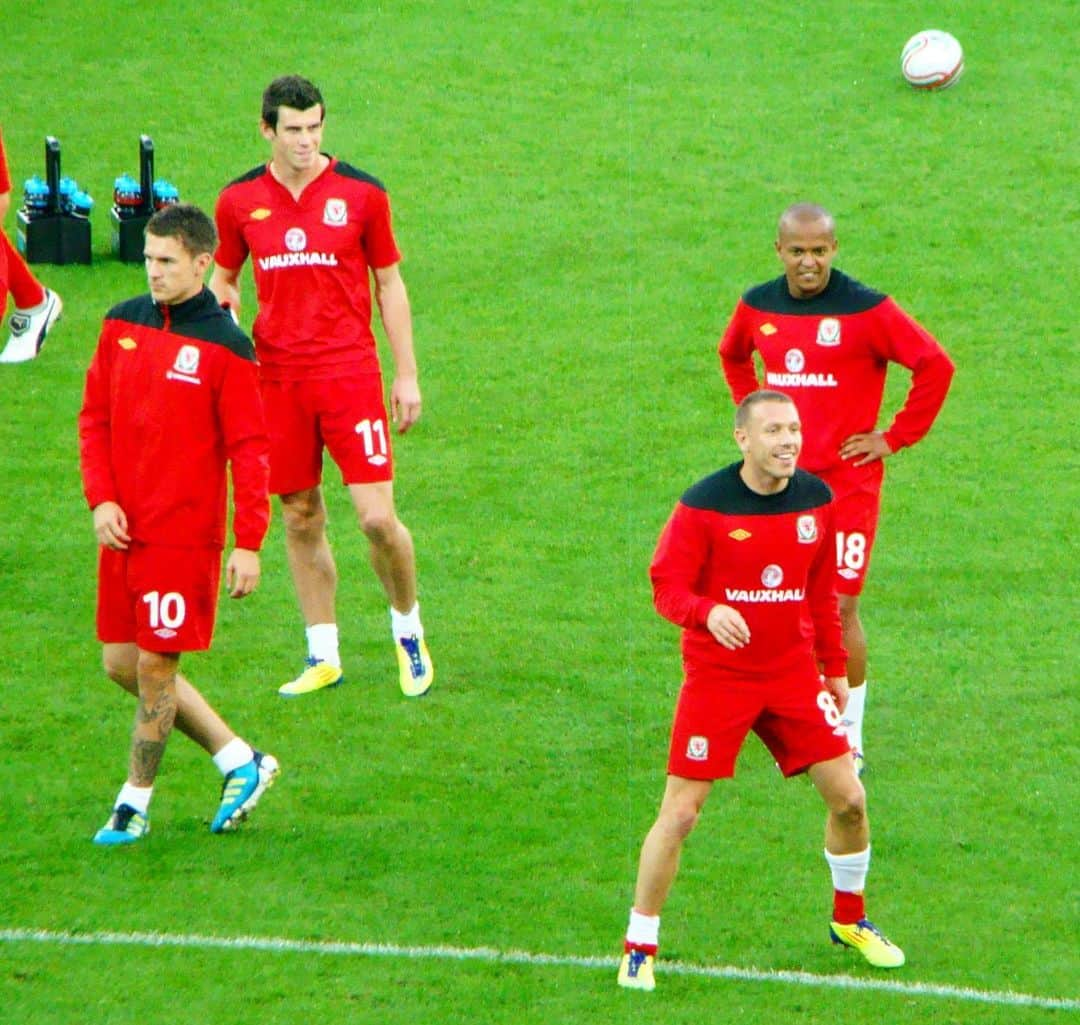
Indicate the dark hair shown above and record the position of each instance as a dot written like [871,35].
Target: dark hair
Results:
[742,411]
[289,91]
[186,222]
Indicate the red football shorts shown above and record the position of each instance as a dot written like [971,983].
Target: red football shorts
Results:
[162,599]
[795,717]
[856,504]
[346,416]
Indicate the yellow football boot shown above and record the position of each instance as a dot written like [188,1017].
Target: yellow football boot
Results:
[636,971]
[868,940]
[416,672]
[317,676]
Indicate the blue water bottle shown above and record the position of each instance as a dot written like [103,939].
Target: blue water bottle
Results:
[127,196]
[35,196]
[165,194]
[81,204]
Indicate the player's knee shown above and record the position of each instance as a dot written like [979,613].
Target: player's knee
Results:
[380,525]
[120,668]
[156,672]
[849,611]
[305,517]
[680,817]
[849,804]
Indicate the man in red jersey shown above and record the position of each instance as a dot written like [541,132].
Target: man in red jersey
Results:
[37,308]
[171,397]
[318,230]
[827,340]
[744,566]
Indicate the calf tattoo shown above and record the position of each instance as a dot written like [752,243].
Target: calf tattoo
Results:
[153,723]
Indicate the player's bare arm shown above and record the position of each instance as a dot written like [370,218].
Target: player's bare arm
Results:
[225,284]
[242,572]
[837,686]
[728,627]
[871,447]
[110,526]
[393,301]
[5,202]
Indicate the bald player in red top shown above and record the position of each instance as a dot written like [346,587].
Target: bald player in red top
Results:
[318,231]
[827,341]
[37,308]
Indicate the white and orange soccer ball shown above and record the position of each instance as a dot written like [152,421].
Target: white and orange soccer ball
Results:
[932,60]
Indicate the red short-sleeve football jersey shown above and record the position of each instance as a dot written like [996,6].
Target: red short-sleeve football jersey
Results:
[312,259]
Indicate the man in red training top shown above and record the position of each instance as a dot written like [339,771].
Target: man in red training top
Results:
[318,232]
[171,397]
[37,308]
[827,340]
[744,566]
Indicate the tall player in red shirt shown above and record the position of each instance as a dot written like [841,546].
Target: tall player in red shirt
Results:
[171,397]
[37,308]
[317,231]
[744,566]
[827,340]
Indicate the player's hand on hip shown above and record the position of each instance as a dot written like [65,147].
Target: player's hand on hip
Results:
[405,401]
[871,446]
[242,572]
[728,627]
[110,526]
[838,687]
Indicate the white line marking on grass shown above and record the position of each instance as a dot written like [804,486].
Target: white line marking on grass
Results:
[522,957]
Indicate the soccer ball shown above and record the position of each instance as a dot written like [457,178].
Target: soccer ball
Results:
[932,60]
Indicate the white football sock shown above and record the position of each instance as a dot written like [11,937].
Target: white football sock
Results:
[135,797]
[235,753]
[643,928]
[406,624]
[322,643]
[849,870]
[853,716]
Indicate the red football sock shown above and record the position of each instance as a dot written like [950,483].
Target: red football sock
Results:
[648,948]
[848,908]
[25,289]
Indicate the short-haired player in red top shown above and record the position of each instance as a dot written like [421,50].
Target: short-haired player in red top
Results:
[827,341]
[171,399]
[317,231]
[744,566]
[37,308]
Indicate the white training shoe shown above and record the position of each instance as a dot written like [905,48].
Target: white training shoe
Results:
[28,330]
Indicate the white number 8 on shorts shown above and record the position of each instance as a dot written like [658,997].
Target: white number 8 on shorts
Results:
[827,704]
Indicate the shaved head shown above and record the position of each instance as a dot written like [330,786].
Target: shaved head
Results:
[806,245]
[799,216]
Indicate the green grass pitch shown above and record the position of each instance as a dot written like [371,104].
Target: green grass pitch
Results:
[581,191]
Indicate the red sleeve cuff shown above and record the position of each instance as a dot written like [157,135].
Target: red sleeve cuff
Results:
[834,667]
[94,499]
[702,608]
